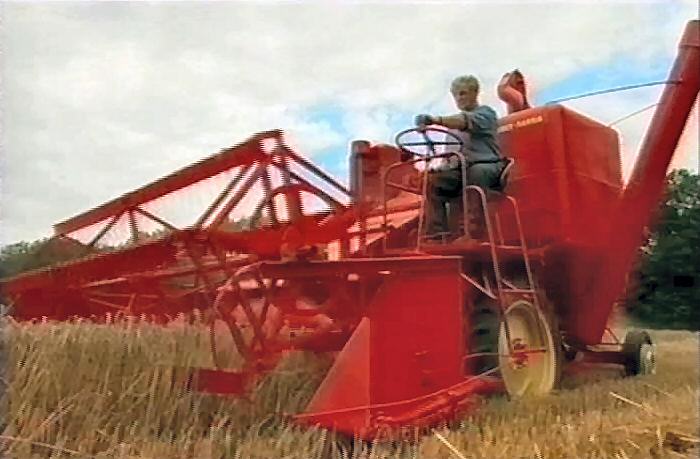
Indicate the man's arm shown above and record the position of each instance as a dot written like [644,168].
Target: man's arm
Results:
[481,119]
[459,121]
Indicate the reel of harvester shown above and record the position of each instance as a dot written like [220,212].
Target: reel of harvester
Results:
[144,254]
[256,318]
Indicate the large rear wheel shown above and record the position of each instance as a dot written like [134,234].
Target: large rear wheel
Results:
[531,365]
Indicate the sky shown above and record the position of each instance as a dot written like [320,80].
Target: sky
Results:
[99,98]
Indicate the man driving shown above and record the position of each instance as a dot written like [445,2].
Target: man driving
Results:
[476,125]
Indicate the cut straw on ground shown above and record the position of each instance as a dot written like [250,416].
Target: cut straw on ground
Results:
[101,391]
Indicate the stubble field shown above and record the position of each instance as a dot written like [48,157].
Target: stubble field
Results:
[106,391]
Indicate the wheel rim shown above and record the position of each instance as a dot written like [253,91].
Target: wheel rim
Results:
[532,367]
[647,359]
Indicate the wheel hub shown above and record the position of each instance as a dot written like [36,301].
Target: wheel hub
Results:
[518,358]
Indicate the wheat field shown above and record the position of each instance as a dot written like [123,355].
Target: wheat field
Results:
[84,390]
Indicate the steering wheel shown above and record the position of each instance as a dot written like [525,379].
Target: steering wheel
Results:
[404,142]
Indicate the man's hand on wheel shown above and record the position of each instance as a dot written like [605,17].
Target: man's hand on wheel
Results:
[424,120]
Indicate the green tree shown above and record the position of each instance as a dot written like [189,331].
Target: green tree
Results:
[667,291]
[24,256]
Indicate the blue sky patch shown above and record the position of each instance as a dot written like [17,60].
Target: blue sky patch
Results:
[327,113]
[620,71]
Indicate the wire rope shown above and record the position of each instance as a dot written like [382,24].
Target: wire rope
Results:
[618,89]
[637,112]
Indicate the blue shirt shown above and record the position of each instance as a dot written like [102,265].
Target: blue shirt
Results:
[481,144]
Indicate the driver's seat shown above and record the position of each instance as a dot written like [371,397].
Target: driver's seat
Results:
[493,194]
[504,175]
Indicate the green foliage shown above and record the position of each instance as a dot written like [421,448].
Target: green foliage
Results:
[25,256]
[667,291]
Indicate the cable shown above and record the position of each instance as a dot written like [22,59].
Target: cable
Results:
[606,91]
[633,114]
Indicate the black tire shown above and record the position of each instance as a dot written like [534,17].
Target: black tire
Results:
[483,337]
[640,353]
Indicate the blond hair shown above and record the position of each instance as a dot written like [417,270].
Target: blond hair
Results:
[465,80]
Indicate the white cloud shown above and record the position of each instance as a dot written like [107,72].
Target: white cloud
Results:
[99,98]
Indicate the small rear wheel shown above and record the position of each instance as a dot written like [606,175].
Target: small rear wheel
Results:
[640,353]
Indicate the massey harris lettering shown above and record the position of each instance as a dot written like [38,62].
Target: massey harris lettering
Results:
[521,123]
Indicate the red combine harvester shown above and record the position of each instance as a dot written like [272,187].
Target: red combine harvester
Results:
[284,257]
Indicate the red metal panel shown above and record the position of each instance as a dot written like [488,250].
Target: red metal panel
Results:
[347,384]
[408,346]
[594,175]
[535,140]
[567,170]
[416,335]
